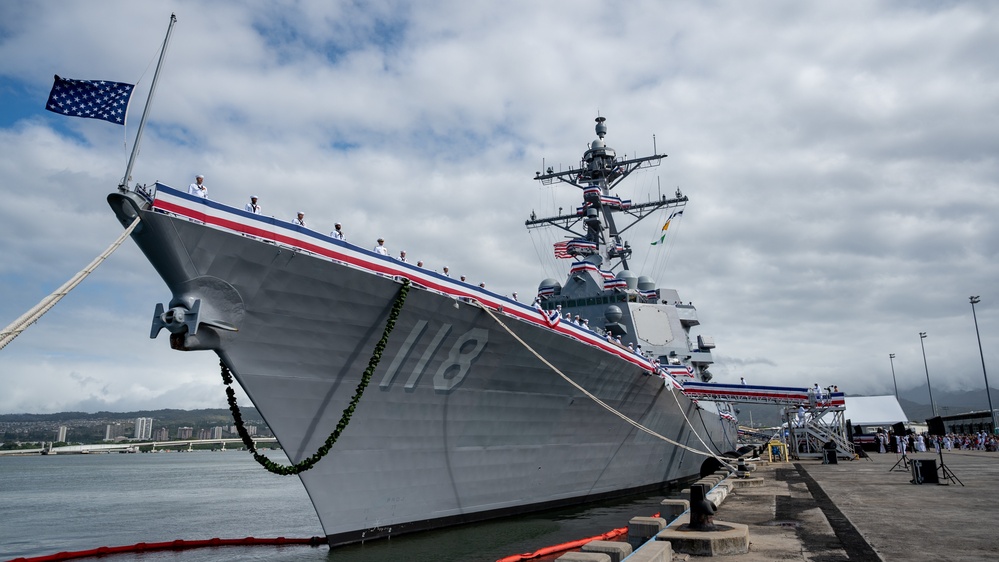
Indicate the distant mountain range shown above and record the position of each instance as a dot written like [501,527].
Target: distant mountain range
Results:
[916,402]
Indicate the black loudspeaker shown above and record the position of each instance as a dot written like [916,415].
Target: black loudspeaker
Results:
[935,426]
[829,456]
[924,471]
[898,429]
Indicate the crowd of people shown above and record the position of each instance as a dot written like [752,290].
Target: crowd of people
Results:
[980,441]
[921,442]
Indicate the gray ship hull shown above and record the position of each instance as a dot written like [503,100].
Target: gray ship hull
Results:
[460,422]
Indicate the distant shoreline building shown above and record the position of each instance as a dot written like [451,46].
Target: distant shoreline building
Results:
[113,431]
[963,424]
[144,429]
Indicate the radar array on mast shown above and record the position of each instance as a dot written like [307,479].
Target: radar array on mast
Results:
[592,225]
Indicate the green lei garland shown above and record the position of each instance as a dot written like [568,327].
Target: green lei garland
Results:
[308,463]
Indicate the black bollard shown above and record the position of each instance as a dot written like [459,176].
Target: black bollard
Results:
[702,510]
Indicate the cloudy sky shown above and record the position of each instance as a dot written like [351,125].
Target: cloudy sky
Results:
[841,160]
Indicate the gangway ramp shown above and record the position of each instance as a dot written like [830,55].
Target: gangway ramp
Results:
[806,434]
[759,394]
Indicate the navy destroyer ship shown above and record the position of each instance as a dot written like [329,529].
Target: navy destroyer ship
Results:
[480,406]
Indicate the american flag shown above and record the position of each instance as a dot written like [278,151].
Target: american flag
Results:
[95,99]
[561,250]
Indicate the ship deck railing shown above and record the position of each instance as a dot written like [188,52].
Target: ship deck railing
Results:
[283,234]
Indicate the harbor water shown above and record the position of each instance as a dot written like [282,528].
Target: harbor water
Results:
[50,504]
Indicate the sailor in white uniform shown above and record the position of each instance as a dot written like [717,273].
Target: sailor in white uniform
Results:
[198,188]
[380,248]
[299,219]
[252,206]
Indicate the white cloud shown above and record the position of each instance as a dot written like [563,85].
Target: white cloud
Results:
[840,160]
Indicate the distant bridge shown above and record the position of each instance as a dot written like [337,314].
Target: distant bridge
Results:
[129,447]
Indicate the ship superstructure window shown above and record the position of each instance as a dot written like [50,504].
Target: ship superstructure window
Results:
[592,301]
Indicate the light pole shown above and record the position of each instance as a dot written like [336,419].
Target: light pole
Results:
[975,300]
[922,336]
[891,357]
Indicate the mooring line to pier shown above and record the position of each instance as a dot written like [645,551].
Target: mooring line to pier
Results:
[606,406]
[720,459]
[46,304]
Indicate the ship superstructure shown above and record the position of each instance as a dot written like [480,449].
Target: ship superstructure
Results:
[600,290]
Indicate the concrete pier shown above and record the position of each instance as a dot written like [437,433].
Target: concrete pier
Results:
[860,510]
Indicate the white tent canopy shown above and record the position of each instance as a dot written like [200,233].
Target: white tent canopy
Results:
[874,411]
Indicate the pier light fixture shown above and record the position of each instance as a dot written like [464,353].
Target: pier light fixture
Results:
[992,413]
[922,336]
[891,358]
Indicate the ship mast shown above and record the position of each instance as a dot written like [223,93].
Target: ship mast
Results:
[600,171]
[123,186]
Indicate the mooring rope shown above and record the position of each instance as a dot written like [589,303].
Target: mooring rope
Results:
[603,404]
[718,458]
[311,461]
[30,317]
